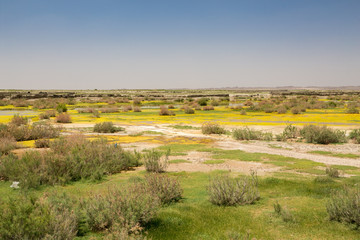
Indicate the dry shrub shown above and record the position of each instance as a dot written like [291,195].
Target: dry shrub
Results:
[110,110]
[20,103]
[296,110]
[171,107]
[137,101]
[344,206]
[7,144]
[18,120]
[164,111]
[243,112]
[355,135]
[227,191]
[42,143]
[137,109]
[165,188]
[212,128]
[208,108]
[127,108]
[63,118]
[86,110]
[127,208]
[107,127]
[281,109]
[188,110]
[156,161]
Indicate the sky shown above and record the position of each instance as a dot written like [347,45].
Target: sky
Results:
[151,44]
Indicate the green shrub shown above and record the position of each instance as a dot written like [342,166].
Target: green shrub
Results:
[227,191]
[352,110]
[355,135]
[107,127]
[130,209]
[212,128]
[61,108]
[202,101]
[156,161]
[289,132]
[322,135]
[344,206]
[250,134]
[165,188]
[283,212]
[332,172]
[63,118]
[189,110]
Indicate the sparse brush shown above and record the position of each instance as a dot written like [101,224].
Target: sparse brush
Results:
[164,111]
[156,161]
[250,134]
[137,109]
[42,143]
[355,135]
[332,172]
[127,108]
[227,191]
[344,205]
[109,110]
[165,188]
[171,107]
[322,135]
[212,128]
[188,110]
[63,118]
[208,108]
[283,212]
[18,120]
[7,144]
[107,127]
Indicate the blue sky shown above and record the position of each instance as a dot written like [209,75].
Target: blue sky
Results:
[86,44]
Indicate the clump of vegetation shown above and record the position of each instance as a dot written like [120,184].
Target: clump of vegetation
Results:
[18,120]
[164,111]
[202,101]
[61,108]
[322,135]
[250,134]
[109,110]
[156,161]
[188,110]
[283,212]
[107,127]
[42,143]
[227,191]
[355,135]
[281,109]
[290,132]
[137,109]
[332,172]
[212,128]
[352,110]
[243,112]
[165,188]
[7,144]
[63,118]
[295,110]
[344,206]
[129,209]
[208,108]
[127,108]
[137,102]
[69,159]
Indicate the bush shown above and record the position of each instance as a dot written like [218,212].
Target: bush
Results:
[127,108]
[289,132]
[44,116]
[242,112]
[283,212]
[352,110]
[281,110]
[130,209]
[332,172]
[63,118]
[110,110]
[189,110]
[96,114]
[137,109]
[165,188]
[137,101]
[42,143]
[69,159]
[322,135]
[296,110]
[355,135]
[61,108]
[17,120]
[250,134]
[202,101]
[227,191]
[7,144]
[208,108]
[156,161]
[344,206]
[212,128]
[165,112]
[107,127]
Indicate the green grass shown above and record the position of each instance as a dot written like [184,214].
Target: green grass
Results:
[185,127]
[277,147]
[179,161]
[213,161]
[341,155]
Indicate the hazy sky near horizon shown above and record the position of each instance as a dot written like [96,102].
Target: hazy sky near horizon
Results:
[112,44]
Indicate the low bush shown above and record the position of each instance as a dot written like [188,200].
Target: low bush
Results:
[137,109]
[332,172]
[289,132]
[156,161]
[281,109]
[355,135]
[61,108]
[7,144]
[202,101]
[63,118]
[164,111]
[322,135]
[284,213]
[243,112]
[344,206]
[250,134]
[127,108]
[165,188]
[69,159]
[188,110]
[18,120]
[212,128]
[110,110]
[171,107]
[227,191]
[352,110]
[208,108]
[295,110]
[129,209]
[42,143]
[107,127]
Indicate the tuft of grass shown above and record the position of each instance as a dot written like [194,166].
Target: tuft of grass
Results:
[179,161]
[185,127]
[341,155]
